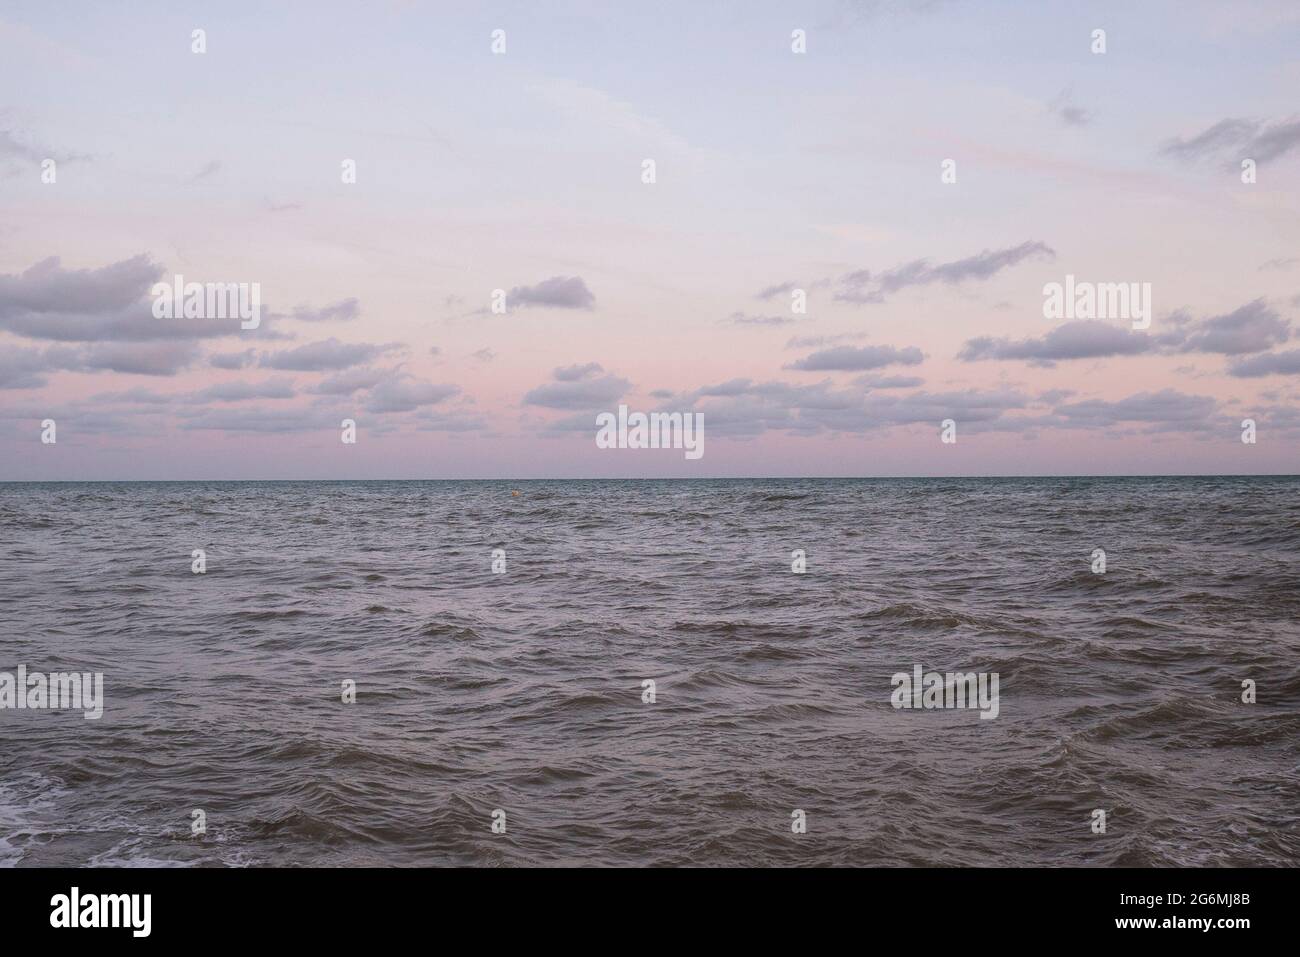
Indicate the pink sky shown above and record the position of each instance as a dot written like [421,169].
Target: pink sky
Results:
[523,172]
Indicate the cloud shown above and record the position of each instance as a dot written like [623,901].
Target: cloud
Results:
[48,288]
[324,356]
[404,393]
[862,286]
[1251,328]
[1218,137]
[209,169]
[351,380]
[12,147]
[575,372]
[1166,407]
[26,368]
[243,391]
[232,360]
[558,292]
[483,355]
[848,358]
[1271,363]
[814,342]
[1236,139]
[148,358]
[1084,339]
[344,310]
[1274,141]
[771,292]
[259,420]
[889,381]
[744,319]
[1063,108]
[578,387]
[108,304]
[742,407]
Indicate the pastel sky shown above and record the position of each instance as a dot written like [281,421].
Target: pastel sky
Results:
[522,171]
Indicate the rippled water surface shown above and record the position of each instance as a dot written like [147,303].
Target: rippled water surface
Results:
[523,691]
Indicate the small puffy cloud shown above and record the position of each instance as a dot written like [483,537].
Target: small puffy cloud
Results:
[558,292]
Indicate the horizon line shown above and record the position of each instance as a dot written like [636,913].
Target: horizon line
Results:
[674,478]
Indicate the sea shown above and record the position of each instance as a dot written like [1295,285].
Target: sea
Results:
[654,673]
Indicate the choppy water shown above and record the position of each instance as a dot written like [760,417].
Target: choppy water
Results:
[522,691]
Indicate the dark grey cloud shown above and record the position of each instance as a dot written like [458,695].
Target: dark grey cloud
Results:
[558,292]
[849,358]
[483,355]
[1270,363]
[325,356]
[865,287]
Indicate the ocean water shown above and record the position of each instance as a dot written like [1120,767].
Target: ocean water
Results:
[522,691]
